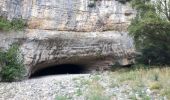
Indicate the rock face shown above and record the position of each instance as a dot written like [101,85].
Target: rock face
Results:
[70,31]
[44,48]
[69,15]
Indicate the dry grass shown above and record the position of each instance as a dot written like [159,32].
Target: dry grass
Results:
[96,92]
[156,79]
[138,84]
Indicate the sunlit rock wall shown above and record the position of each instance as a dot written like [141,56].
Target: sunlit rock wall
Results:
[44,48]
[70,31]
[74,15]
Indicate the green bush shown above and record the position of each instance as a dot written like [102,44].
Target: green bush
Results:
[12,64]
[4,24]
[151,33]
[15,24]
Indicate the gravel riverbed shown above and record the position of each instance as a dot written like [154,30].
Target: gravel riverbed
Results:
[71,87]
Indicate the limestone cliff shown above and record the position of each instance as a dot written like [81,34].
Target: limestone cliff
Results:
[67,15]
[70,31]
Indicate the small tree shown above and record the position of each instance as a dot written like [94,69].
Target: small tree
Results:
[151,31]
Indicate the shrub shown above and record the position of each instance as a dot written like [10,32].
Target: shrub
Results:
[15,24]
[12,64]
[4,24]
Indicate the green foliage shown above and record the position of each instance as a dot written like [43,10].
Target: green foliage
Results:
[15,24]
[4,24]
[12,64]
[151,33]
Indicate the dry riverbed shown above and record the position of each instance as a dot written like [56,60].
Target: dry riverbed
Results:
[119,85]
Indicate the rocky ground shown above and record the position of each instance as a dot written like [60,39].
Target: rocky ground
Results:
[98,86]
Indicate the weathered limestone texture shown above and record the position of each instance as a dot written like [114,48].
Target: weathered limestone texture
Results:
[70,31]
[44,48]
[72,15]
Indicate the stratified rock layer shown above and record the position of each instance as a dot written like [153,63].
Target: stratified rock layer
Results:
[44,48]
[64,15]
[70,31]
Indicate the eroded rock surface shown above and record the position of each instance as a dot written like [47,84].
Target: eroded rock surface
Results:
[70,31]
[43,48]
[66,15]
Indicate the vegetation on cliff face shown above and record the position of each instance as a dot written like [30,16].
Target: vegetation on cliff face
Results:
[11,64]
[15,24]
[151,31]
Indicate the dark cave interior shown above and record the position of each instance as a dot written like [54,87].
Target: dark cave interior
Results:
[59,70]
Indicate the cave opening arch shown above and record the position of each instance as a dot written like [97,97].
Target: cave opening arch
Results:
[60,70]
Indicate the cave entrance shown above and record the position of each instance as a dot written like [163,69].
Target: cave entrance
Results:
[60,69]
